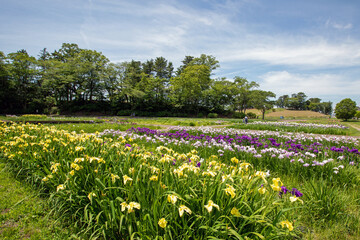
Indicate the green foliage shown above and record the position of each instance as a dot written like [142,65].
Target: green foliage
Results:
[243,93]
[345,109]
[357,115]
[200,115]
[75,80]
[251,115]
[240,115]
[299,129]
[124,113]
[187,90]
[116,189]
[323,202]
[212,115]
[99,127]
[260,100]
[298,102]
[24,214]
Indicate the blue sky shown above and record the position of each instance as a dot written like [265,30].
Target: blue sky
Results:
[287,46]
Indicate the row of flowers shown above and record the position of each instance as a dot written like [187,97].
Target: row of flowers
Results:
[281,145]
[295,124]
[332,153]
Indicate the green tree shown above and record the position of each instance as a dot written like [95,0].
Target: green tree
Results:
[297,101]
[326,108]
[282,101]
[357,115]
[23,74]
[7,90]
[148,67]
[187,60]
[261,100]
[243,95]
[162,68]
[207,60]
[132,77]
[60,73]
[316,107]
[112,79]
[90,71]
[187,90]
[221,95]
[345,109]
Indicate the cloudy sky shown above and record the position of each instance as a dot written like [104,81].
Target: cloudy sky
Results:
[287,46]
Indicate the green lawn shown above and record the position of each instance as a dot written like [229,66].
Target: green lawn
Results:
[23,214]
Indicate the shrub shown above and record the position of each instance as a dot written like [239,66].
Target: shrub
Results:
[192,124]
[238,115]
[54,110]
[124,113]
[200,115]
[212,115]
[251,115]
[164,114]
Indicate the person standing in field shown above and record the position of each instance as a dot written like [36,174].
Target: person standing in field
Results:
[246,119]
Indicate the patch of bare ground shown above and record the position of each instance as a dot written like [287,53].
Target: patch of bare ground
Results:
[296,114]
[354,126]
[6,210]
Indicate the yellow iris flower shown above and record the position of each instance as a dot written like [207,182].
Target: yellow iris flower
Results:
[210,206]
[287,224]
[183,209]
[126,179]
[162,222]
[172,198]
[230,190]
[235,212]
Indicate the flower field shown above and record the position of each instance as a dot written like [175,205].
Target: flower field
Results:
[317,128]
[189,183]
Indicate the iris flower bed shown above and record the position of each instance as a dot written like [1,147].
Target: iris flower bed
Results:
[298,153]
[115,188]
[335,129]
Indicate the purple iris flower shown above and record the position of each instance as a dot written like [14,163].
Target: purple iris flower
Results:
[283,190]
[296,192]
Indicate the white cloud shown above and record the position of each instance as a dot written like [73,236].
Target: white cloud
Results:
[313,52]
[140,32]
[284,82]
[338,26]
[147,29]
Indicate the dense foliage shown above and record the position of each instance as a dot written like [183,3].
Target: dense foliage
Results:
[72,79]
[298,101]
[118,189]
[191,183]
[345,109]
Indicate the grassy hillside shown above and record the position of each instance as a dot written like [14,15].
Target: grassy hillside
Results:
[276,113]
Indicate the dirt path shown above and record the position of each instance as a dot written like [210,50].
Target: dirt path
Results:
[356,127]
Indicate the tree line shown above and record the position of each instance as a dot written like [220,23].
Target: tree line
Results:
[299,101]
[72,79]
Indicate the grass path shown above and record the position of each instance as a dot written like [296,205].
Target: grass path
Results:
[354,126]
[23,214]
